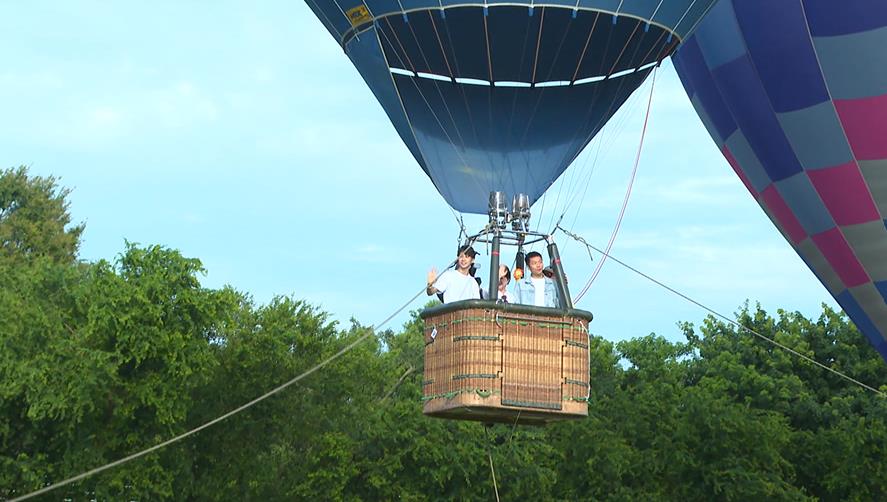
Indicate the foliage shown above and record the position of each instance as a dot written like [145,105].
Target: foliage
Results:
[34,219]
[100,360]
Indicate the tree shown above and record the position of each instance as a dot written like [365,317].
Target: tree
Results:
[98,362]
[34,218]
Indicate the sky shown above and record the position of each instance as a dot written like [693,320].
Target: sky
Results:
[240,134]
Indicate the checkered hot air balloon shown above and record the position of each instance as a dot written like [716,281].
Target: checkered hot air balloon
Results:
[794,92]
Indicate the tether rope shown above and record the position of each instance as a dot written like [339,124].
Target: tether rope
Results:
[728,319]
[231,413]
[490,456]
[397,384]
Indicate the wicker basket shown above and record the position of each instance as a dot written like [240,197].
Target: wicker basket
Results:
[505,363]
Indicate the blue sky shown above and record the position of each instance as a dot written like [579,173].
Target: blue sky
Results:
[241,135]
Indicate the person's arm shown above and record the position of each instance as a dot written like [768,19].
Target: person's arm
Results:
[517,298]
[432,278]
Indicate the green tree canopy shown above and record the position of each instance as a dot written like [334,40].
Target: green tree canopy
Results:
[34,218]
[101,360]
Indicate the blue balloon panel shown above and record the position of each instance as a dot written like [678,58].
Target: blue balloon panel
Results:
[503,96]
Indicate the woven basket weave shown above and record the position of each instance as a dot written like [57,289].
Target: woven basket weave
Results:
[505,363]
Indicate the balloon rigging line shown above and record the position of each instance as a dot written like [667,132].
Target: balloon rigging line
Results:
[461,88]
[328,22]
[402,49]
[435,83]
[539,44]
[539,97]
[487,41]
[621,52]
[727,319]
[459,153]
[452,74]
[664,50]
[660,57]
[371,331]
[425,99]
[625,199]
[459,221]
[379,31]
[510,129]
[589,114]
[548,76]
[585,48]
[605,129]
[610,109]
[542,90]
[597,154]
[490,456]
[681,20]
[356,34]
[602,138]
[693,28]
[616,129]
[656,10]
[440,44]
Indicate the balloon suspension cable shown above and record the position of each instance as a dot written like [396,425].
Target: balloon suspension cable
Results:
[625,199]
[370,332]
[461,222]
[574,195]
[728,319]
[581,241]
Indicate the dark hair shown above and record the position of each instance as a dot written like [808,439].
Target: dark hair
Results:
[507,273]
[532,254]
[468,250]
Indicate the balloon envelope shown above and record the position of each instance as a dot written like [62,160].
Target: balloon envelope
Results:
[795,95]
[498,96]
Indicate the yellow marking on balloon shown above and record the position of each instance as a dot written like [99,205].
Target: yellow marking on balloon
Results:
[358,15]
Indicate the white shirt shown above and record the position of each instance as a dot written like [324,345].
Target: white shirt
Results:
[456,286]
[539,286]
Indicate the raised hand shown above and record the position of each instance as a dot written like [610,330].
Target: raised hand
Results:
[432,276]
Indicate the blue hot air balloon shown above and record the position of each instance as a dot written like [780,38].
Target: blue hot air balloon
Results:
[502,96]
[795,95]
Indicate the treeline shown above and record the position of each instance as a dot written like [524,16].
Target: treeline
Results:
[100,360]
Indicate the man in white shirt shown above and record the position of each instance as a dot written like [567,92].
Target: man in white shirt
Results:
[457,283]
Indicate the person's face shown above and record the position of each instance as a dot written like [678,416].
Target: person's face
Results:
[465,261]
[503,280]
[536,266]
